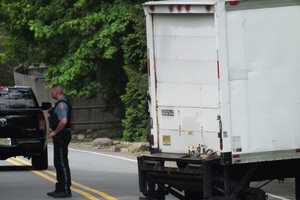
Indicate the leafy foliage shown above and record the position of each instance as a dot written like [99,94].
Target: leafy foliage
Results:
[136,118]
[6,75]
[90,47]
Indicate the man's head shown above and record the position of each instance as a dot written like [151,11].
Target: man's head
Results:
[57,92]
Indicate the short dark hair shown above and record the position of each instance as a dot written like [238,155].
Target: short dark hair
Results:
[60,88]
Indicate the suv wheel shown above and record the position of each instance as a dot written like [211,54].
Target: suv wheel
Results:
[40,162]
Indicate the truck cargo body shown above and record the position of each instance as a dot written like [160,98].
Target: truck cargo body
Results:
[223,78]
[239,62]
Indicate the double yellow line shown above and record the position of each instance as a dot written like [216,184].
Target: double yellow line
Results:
[50,176]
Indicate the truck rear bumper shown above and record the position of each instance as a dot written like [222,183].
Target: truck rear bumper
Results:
[204,179]
[179,172]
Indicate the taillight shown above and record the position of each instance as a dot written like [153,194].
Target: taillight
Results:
[234,2]
[152,8]
[179,8]
[41,121]
[188,8]
[3,88]
[236,156]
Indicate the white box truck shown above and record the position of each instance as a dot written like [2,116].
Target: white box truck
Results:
[224,97]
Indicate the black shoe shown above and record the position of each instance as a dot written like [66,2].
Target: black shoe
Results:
[58,188]
[51,193]
[60,194]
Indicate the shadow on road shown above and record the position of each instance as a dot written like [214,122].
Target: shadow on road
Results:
[15,168]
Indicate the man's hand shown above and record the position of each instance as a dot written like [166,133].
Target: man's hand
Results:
[61,125]
[52,134]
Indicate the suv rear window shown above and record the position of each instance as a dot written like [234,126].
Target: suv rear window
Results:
[12,98]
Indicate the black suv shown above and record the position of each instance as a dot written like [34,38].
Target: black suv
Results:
[23,124]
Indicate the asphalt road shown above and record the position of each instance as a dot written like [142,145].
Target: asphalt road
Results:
[96,177]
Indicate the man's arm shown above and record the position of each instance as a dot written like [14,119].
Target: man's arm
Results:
[61,125]
[62,117]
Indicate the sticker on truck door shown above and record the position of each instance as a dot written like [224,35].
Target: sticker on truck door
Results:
[167,113]
[166,139]
[236,144]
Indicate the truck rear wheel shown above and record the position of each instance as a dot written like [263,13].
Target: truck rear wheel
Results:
[40,162]
[154,192]
[191,195]
[254,194]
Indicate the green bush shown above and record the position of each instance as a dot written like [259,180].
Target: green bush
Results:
[135,122]
[91,47]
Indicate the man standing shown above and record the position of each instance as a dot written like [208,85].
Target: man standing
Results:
[60,120]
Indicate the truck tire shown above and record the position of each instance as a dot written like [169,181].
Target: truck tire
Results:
[191,195]
[154,192]
[40,162]
[254,194]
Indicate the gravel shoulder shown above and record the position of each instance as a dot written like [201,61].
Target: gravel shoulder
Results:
[87,146]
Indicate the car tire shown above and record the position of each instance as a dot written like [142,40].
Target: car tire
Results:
[40,162]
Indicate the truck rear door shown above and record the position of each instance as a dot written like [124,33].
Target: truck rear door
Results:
[185,60]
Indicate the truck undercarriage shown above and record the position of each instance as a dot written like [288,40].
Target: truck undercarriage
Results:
[189,178]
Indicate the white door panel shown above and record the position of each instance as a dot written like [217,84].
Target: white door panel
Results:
[187,81]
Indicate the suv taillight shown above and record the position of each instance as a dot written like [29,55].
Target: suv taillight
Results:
[41,121]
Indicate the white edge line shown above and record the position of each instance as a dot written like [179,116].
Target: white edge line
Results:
[103,154]
[277,197]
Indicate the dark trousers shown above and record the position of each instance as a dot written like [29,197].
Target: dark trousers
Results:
[61,162]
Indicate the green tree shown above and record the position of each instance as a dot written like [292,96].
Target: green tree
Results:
[90,47]
[6,71]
